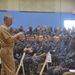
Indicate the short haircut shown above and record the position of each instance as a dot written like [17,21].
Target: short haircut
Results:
[7,16]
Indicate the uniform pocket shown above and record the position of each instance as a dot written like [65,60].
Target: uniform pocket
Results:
[6,51]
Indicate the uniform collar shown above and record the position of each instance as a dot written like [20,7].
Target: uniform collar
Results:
[5,26]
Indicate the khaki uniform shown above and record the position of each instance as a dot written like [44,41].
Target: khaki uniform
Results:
[8,65]
[0,49]
[69,73]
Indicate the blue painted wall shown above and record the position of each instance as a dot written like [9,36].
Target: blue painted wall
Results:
[34,19]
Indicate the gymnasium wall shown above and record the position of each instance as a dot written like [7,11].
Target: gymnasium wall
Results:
[34,19]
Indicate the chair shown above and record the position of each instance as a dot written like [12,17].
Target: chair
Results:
[47,60]
[21,64]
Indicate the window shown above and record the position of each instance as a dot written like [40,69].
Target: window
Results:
[69,24]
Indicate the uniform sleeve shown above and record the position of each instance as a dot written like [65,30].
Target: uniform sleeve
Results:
[35,48]
[6,33]
[46,48]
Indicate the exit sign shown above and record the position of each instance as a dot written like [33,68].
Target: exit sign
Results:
[73,12]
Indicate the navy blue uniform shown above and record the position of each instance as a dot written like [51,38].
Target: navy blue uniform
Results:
[28,57]
[41,48]
[18,50]
[69,62]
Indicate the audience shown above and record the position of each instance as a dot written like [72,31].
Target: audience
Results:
[38,42]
